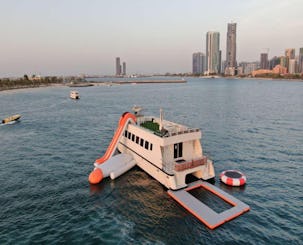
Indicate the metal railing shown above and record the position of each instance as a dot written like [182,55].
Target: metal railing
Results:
[170,129]
[181,166]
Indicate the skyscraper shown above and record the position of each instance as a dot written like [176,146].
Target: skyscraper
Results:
[231,48]
[264,61]
[273,62]
[124,68]
[213,52]
[301,60]
[292,66]
[289,54]
[283,61]
[118,66]
[199,61]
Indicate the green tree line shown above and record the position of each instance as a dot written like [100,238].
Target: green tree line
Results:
[25,82]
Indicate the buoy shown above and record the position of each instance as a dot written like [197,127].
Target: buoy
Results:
[233,178]
[95,176]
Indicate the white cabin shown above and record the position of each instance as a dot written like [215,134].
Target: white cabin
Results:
[165,150]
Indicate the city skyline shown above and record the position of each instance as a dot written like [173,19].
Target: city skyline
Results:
[74,37]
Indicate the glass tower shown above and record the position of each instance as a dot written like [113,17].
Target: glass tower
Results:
[213,52]
[231,62]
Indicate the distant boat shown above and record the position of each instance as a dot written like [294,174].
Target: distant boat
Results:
[80,85]
[11,118]
[74,95]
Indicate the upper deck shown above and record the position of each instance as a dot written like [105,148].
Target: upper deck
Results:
[168,128]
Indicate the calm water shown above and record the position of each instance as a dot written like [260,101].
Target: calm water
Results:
[255,126]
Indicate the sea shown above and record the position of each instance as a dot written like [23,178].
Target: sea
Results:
[254,126]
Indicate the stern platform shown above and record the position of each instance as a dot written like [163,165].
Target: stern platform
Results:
[204,213]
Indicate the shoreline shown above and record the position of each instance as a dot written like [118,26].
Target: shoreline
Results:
[29,87]
[91,84]
[135,82]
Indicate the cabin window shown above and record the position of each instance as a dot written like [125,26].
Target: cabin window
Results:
[133,137]
[151,147]
[129,135]
[146,145]
[137,139]
[142,142]
[178,150]
[125,133]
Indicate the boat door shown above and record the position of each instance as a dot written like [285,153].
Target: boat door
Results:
[178,150]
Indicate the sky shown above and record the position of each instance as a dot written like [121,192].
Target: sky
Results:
[72,37]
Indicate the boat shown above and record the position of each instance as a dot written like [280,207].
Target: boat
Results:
[74,95]
[11,118]
[172,154]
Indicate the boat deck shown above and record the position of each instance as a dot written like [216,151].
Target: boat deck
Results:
[169,128]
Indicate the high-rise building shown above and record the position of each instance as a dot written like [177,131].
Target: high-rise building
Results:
[199,61]
[118,66]
[290,53]
[213,52]
[301,60]
[124,68]
[220,62]
[264,61]
[231,49]
[273,62]
[249,67]
[283,61]
[292,66]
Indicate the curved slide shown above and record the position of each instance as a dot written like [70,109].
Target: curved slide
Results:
[124,120]
[97,174]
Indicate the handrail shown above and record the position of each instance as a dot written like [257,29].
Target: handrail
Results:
[190,164]
[171,131]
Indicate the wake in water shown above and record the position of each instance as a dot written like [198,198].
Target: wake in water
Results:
[8,123]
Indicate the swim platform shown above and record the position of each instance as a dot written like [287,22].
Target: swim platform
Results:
[204,213]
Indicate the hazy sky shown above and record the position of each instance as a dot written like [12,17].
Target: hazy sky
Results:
[70,37]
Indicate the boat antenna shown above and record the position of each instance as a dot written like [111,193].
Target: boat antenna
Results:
[161,120]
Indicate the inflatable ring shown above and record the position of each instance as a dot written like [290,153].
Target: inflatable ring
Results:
[233,178]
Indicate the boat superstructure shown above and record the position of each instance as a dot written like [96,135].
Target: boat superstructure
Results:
[166,150]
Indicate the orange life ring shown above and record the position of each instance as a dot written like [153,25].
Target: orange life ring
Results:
[233,178]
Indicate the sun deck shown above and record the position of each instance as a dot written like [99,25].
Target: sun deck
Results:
[168,128]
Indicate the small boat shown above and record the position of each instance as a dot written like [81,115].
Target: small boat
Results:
[11,118]
[74,95]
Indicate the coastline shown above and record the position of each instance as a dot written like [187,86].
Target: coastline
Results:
[29,87]
[90,84]
[135,82]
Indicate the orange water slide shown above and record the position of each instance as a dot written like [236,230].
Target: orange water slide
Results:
[124,120]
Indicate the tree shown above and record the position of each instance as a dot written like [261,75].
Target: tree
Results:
[25,77]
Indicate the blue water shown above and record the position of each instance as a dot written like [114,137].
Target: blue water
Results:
[255,126]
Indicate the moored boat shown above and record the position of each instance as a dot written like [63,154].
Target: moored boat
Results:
[167,151]
[11,118]
[74,95]
[172,154]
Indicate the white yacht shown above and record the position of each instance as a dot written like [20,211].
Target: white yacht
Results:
[169,152]
[74,95]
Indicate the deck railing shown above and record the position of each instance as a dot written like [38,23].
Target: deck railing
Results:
[190,164]
[181,166]
[171,130]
